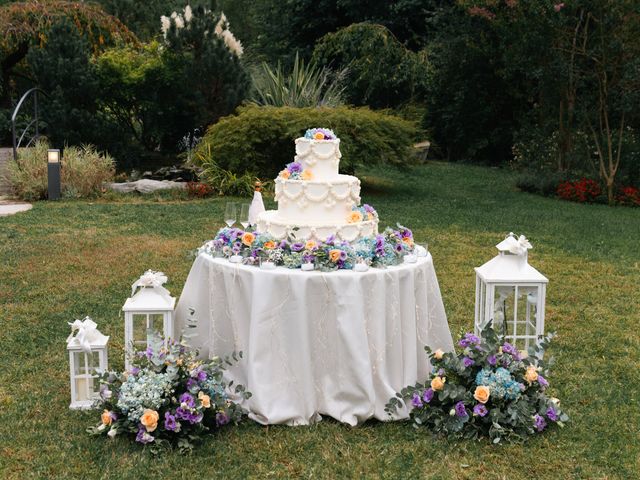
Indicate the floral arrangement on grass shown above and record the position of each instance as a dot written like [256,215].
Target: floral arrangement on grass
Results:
[362,213]
[490,389]
[168,397]
[294,171]
[320,134]
[385,249]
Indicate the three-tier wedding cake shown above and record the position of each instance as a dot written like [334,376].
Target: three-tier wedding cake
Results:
[314,200]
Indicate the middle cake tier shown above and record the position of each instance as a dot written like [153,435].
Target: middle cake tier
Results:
[308,201]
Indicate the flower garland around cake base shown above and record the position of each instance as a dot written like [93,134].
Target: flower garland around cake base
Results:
[490,389]
[385,249]
[168,397]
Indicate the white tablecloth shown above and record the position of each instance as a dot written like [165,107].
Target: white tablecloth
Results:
[338,344]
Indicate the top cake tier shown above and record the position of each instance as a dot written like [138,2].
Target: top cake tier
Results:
[321,157]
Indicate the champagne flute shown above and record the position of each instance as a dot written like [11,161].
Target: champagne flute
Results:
[244,215]
[230,213]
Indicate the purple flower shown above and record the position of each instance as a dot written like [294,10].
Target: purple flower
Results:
[379,241]
[543,381]
[143,437]
[416,401]
[294,167]
[297,247]
[191,383]
[460,410]
[510,349]
[188,415]
[467,362]
[441,372]
[368,208]
[491,360]
[148,353]
[480,410]
[552,414]
[188,400]
[427,396]
[282,245]
[330,240]
[406,233]
[539,422]
[343,255]
[399,247]
[221,419]
[468,340]
[202,376]
[235,250]
[170,422]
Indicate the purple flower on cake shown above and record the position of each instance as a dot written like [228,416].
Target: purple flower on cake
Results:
[297,247]
[330,240]
[294,167]
[480,410]
[319,134]
[460,410]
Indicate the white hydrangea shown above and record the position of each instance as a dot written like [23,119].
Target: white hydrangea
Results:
[148,389]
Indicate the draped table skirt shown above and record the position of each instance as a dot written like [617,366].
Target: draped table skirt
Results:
[337,343]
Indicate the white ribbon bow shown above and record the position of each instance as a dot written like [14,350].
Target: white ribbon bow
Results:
[150,278]
[86,333]
[518,246]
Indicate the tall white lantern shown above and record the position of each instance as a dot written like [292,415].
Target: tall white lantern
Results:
[87,355]
[510,294]
[149,309]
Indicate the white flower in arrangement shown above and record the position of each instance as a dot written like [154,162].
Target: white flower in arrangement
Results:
[188,13]
[221,25]
[112,433]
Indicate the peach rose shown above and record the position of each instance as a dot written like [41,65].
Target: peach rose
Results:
[531,375]
[106,417]
[318,136]
[149,419]
[354,217]
[438,383]
[334,255]
[204,399]
[310,245]
[285,174]
[270,245]
[306,175]
[408,241]
[248,238]
[482,394]
[438,354]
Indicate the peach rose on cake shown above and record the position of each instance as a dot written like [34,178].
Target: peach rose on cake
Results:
[149,419]
[285,174]
[310,245]
[334,254]
[318,136]
[306,175]
[355,217]
[270,245]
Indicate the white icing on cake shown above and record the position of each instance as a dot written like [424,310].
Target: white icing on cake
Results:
[317,208]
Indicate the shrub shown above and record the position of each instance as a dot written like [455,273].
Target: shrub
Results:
[583,190]
[540,182]
[629,196]
[198,189]
[381,71]
[259,140]
[83,172]
[219,180]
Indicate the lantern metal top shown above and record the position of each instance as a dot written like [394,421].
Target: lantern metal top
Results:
[150,299]
[86,337]
[511,265]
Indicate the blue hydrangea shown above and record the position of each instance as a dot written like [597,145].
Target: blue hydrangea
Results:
[500,382]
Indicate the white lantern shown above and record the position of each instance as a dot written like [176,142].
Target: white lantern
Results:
[510,294]
[149,309]
[87,355]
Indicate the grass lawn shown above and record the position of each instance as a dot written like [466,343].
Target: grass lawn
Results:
[69,259]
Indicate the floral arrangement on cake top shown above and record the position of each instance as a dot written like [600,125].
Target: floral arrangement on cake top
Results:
[490,389]
[385,249]
[320,134]
[294,171]
[168,397]
[362,213]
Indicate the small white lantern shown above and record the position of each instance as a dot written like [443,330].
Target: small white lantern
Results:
[87,354]
[149,309]
[510,294]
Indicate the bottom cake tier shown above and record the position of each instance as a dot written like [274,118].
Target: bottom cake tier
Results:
[269,222]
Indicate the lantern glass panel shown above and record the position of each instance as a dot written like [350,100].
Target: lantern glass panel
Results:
[85,388]
[156,322]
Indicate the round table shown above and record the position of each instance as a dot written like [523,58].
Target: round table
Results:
[317,343]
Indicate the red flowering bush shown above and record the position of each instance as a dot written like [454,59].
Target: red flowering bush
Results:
[629,196]
[199,189]
[583,190]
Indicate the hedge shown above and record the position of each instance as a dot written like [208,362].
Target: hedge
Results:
[260,140]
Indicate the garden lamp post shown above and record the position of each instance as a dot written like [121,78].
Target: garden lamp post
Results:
[510,294]
[53,174]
